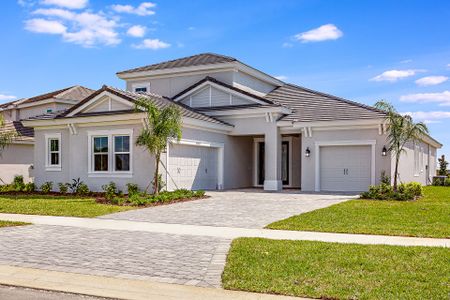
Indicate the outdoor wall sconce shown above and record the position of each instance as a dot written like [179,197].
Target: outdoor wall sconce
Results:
[307,152]
[384,151]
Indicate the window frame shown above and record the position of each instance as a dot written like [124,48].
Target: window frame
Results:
[110,134]
[140,85]
[114,152]
[48,165]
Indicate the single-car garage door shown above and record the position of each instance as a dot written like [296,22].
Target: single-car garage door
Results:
[345,168]
[192,167]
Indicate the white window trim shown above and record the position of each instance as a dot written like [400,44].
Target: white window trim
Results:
[137,85]
[318,145]
[111,160]
[48,165]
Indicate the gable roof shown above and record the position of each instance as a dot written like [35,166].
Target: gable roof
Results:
[189,61]
[158,100]
[310,105]
[228,86]
[24,134]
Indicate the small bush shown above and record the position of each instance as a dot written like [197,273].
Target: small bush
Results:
[405,191]
[47,187]
[137,200]
[438,181]
[117,200]
[82,189]
[63,187]
[161,183]
[385,178]
[110,190]
[75,185]
[447,181]
[132,189]
[29,187]
[18,183]
[199,193]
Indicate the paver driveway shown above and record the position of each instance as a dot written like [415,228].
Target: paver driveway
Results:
[240,208]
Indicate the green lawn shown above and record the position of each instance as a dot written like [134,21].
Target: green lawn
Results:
[337,271]
[56,206]
[426,217]
[8,223]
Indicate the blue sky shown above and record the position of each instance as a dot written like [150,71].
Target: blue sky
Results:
[361,50]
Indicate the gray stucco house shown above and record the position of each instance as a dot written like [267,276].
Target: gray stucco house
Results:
[241,128]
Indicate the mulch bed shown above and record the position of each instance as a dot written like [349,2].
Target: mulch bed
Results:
[102,200]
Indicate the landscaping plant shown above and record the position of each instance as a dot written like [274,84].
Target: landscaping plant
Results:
[29,187]
[18,183]
[110,190]
[47,187]
[401,130]
[132,189]
[75,185]
[63,187]
[82,189]
[160,126]
[443,165]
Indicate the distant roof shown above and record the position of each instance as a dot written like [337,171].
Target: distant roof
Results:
[194,60]
[24,134]
[158,100]
[74,93]
[309,105]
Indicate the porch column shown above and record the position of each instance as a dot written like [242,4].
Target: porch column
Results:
[272,160]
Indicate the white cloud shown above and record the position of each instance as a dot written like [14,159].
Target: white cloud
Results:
[85,28]
[431,80]
[136,31]
[394,75]
[153,44]
[7,97]
[45,26]
[322,33]
[71,4]
[443,99]
[144,9]
[429,116]
[281,77]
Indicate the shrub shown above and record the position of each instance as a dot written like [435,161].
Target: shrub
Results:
[47,187]
[447,181]
[437,181]
[161,183]
[132,189]
[18,183]
[29,187]
[379,192]
[405,191]
[385,178]
[63,187]
[75,185]
[117,200]
[137,200]
[110,190]
[199,193]
[82,189]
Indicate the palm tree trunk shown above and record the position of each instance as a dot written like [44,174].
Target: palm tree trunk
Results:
[156,176]
[397,159]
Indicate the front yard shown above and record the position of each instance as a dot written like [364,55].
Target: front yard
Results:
[68,206]
[337,271]
[426,217]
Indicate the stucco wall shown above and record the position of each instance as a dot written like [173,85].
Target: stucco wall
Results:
[16,159]
[407,164]
[382,163]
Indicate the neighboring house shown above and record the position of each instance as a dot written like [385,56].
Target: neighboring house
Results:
[18,157]
[241,128]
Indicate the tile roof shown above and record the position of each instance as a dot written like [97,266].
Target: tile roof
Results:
[24,134]
[309,105]
[194,60]
[158,100]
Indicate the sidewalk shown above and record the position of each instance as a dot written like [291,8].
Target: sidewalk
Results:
[225,232]
[117,288]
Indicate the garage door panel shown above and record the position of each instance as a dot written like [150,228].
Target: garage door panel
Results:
[193,167]
[345,168]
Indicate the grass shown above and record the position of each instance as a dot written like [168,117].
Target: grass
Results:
[56,206]
[426,217]
[9,223]
[337,271]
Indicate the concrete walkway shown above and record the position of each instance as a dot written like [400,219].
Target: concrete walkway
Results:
[224,232]
[117,288]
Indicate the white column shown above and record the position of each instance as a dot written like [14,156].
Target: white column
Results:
[220,168]
[272,179]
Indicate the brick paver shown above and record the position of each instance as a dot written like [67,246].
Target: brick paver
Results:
[243,209]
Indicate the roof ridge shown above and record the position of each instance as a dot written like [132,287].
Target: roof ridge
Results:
[355,103]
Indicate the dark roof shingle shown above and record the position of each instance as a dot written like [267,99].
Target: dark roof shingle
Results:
[194,60]
[23,133]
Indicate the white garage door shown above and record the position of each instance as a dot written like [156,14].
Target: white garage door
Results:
[192,167]
[345,168]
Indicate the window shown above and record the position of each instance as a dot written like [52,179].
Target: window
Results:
[53,152]
[142,87]
[140,90]
[49,110]
[122,153]
[110,153]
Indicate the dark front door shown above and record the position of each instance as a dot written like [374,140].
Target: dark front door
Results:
[284,162]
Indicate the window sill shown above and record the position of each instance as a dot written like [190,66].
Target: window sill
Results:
[110,175]
[53,169]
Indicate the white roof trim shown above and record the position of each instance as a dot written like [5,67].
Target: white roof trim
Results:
[99,98]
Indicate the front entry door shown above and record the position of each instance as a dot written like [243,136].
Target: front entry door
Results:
[284,162]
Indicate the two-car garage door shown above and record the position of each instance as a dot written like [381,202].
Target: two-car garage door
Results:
[192,167]
[345,168]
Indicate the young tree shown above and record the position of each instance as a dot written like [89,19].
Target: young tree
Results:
[6,137]
[161,125]
[443,164]
[402,129]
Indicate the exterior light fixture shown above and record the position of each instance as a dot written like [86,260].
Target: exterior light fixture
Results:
[384,151]
[307,152]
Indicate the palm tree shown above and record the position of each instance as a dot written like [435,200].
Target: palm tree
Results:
[161,125]
[402,129]
[6,137]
